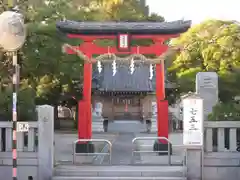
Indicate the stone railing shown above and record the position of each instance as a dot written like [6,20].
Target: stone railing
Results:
[26,142]
[27,155]
[221,159]
[221,136]
[34,148]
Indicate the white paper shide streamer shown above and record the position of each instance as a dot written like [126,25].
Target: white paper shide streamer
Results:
[151,71]
[99,66]
[114,67]
[132,68]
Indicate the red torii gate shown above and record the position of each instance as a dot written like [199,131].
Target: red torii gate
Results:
[123,32]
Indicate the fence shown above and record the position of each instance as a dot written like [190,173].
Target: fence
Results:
[27,151]
[35,148]
[222,160]
[222,136]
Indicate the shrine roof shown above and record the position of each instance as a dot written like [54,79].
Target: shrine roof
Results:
[108,28]
[124,81]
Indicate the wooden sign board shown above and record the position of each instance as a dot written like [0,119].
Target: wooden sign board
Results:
[123,42]
[22,127]
[193,121]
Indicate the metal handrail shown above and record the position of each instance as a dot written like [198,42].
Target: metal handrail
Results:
[109,153]
[151,138]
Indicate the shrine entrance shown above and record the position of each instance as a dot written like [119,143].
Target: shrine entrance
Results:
[136,66]
[124,106]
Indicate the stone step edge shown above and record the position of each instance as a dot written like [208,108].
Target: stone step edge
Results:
[125,167]
[116,178]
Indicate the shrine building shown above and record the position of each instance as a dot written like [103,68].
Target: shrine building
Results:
[125,96]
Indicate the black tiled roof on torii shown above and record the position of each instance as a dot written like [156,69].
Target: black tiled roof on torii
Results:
[107,28]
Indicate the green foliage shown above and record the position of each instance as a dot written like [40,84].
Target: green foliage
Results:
[225,112]
[134,42]
[45,70]
[213,45]
[46,73]
[155,18]
[26,104]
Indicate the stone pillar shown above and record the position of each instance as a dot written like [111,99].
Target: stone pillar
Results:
[45,142]
[194,160]
[193,135]
[97,119]
[207,89]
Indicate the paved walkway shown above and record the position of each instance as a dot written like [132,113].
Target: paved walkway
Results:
[122,146]
[122,149]
[121,134]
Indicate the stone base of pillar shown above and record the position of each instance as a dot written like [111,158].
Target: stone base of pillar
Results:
[105,125]
[87,147]
[97,124]
[194,160]
[162,148]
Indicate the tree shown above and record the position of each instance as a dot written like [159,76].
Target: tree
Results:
[225,112]
[210,46]
[155,17]
[45,41]
[45,70]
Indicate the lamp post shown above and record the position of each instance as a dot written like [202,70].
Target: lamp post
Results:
[12,38]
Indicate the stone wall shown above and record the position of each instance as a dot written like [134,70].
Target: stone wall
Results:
[222,166]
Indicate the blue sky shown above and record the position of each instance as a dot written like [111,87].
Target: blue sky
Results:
[196,11]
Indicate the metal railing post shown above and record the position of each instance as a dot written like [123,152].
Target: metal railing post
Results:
[151,138]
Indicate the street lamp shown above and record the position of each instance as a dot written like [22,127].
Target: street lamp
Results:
[12,38]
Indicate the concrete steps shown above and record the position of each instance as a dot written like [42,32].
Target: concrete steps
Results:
[154,126]
[97,123]
[97,126]
[71,172]
[117,178]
